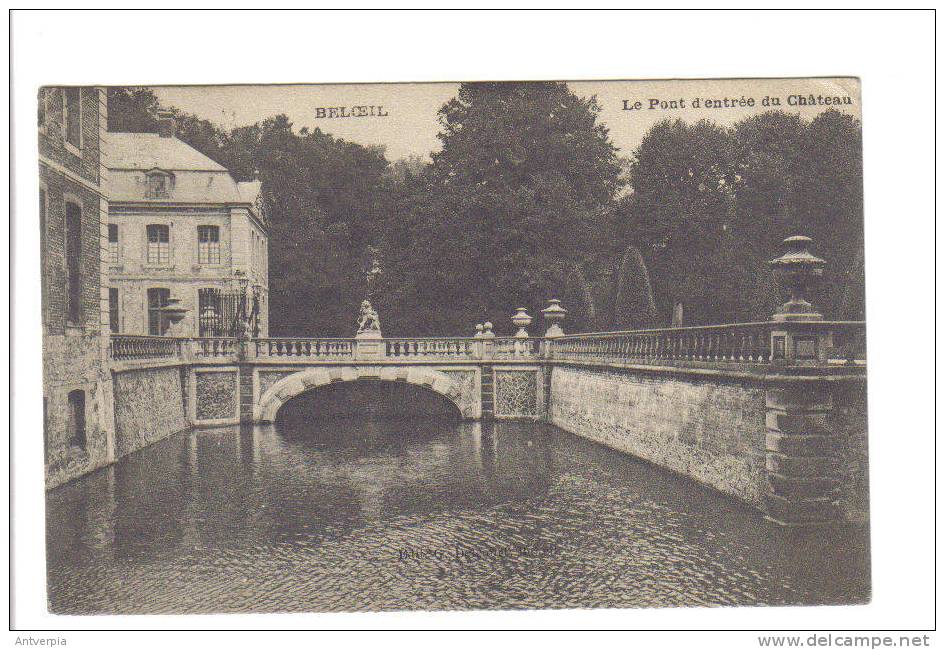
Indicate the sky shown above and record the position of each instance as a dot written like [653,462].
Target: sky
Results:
[409,123]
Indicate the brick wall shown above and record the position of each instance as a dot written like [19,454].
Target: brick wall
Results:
[52,145]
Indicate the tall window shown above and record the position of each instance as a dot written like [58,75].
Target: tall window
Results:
[113,309]
[157,321]
[113,243]
[210,314]
[159,237]
[73,121]
[77,418]
[208,244]
[73,262]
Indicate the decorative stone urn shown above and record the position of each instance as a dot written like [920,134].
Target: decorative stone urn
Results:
[478,334]
[521,319]
[487,331]
[554,314]
[797,270]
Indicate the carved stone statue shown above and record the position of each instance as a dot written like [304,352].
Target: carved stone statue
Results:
[369,325]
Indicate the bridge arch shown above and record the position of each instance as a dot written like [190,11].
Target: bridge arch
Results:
[310,379]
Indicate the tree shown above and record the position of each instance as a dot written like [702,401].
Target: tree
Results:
[509,213]
[709,207]
[681,214]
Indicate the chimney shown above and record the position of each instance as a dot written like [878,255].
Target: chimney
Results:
[167,124]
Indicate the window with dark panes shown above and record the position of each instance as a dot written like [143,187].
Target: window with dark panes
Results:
[208,244]
[73,263]
[158,299]
[113,310]
[157,186]
[77,418]
[210,316]
[159,237]
[113,243]
[73,117]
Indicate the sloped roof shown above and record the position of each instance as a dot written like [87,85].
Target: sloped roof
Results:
[186,187]
[250,190]
[146,151]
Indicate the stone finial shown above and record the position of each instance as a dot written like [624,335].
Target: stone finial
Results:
[797,271]
[487,333]
[554,314]
[478,334]
[521,319]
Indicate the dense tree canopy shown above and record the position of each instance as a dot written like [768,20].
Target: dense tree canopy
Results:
[511,212]
[527,200]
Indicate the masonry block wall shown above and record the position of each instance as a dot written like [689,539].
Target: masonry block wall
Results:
[816,452]
[710,431]
[794,448]
[149,406]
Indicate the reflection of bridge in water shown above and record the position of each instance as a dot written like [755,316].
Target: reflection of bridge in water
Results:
[770,412]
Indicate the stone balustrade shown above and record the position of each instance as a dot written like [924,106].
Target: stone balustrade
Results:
[426,348]
[815,343]
[326,349]
[771,343]
[128,347]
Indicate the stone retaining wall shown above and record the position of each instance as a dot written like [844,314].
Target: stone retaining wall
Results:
[795,449]
[710,431]
[149,406]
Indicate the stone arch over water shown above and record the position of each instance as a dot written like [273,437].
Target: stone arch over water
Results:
[311,379]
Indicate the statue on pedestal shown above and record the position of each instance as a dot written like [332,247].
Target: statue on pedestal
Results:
[369,325]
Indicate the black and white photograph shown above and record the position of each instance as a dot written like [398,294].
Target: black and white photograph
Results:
[499,344]
[477,345]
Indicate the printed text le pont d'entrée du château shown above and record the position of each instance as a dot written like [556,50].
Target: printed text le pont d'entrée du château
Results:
[653,104]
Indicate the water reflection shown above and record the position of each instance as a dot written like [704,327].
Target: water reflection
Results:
[352,515]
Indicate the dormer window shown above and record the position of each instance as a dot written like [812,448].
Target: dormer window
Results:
[159,184]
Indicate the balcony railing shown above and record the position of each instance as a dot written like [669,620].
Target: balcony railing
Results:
[431,348]
[125,347]
[324,349]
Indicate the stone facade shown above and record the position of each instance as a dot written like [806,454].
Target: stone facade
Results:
[197,193]
[149,406]
[78,423]
[711,431]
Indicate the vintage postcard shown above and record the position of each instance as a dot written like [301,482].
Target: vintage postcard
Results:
[480,345]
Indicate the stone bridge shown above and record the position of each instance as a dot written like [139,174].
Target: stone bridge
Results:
[772,413]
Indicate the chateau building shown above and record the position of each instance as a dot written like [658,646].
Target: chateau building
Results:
[187,245]
[78,424]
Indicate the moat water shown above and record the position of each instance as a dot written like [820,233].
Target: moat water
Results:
[430,513]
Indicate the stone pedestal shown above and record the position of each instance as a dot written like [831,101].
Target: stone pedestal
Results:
[369,345]
[801,467]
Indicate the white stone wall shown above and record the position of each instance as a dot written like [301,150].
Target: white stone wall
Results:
[183,274]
